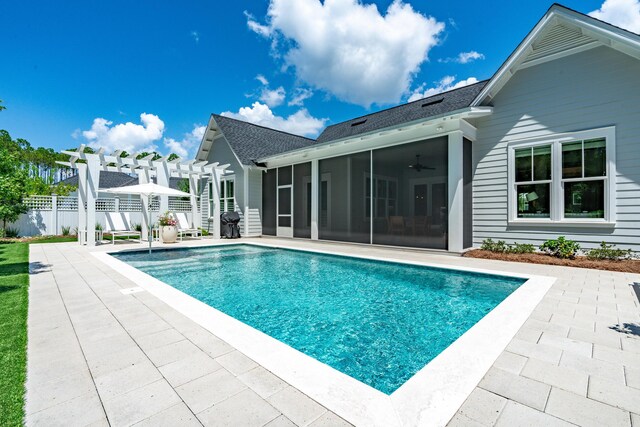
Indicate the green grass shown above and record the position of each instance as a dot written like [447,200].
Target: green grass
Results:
[14,286]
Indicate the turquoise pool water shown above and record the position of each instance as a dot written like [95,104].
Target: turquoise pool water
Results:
[379,322]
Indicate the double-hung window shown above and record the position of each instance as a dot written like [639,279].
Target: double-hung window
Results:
[566,178]
[227,195]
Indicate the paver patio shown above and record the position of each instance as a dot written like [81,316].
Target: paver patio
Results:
[98,356]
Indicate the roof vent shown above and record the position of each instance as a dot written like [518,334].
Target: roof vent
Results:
[358,123]
[434,102]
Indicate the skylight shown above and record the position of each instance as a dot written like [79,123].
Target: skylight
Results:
[435,101]
[358,123]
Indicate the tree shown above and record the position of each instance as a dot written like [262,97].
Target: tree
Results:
[1,106]
[13,181]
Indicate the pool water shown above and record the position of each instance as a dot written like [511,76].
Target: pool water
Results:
[378,322]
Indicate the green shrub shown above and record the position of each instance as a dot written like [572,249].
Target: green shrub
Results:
[490,245]
[521,248]
[502,247]
[204,232]
[561,247]
[66,230]
[609,252]
[137,227]
[9,232]
[99,226]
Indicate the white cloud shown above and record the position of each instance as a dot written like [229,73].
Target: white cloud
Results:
[272,98]
[350,49]
[185,146]
[299,96]
[445,84]
[196,36]
[127,136]
[262,79]
[622,13]
[464,57]
[299,123]
[256,27]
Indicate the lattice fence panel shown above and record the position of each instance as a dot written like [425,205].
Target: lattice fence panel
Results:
[178,205]
[42,203]
[105,205]
[130,206]
[67,203]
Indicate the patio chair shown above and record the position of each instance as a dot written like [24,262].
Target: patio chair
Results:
[184,228]
[119,224]
[396,225]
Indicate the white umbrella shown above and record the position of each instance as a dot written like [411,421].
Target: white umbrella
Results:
[149,189]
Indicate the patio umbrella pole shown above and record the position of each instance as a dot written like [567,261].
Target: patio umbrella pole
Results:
[150,236]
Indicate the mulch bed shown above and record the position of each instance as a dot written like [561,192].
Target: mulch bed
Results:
[627,266]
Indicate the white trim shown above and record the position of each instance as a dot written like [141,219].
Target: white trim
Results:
[606,34]
[556,202]
[431,397]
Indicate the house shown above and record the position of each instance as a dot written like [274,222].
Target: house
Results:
[548,146]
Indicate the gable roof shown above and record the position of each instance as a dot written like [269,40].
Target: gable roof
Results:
[560,32]
[118,179]
[435,105]
[107,180]
[251,142]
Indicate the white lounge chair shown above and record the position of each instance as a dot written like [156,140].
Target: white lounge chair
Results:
[184,228]
[119,224]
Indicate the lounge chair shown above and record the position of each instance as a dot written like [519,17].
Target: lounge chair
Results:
[184,228]
[119,224]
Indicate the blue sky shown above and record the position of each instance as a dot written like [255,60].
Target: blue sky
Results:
[86,72]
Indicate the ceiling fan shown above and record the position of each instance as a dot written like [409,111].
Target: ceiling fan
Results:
[418,166]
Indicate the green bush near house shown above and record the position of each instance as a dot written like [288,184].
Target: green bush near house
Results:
[66,230]
[609,252]
[502,247]
[561,247]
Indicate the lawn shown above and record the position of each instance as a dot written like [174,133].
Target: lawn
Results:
[14,286]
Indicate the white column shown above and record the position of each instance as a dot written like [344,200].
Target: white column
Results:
[315,196]
[93,183]
[82,198]
[215,185]
[193,190]
[54,214]
[245,193]
[143,178]
[456,212]
[162,177]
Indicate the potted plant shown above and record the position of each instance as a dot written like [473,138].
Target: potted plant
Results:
[168,229]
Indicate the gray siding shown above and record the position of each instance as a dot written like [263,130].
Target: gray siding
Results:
[592,89]
[254,198]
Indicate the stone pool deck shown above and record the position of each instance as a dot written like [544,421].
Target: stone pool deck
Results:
[98,356]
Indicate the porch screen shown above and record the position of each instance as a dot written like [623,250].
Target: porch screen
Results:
[343,190]
[409,194]
[269,202]
[302,200]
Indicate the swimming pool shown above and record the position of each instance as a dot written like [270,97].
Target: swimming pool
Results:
[378,322]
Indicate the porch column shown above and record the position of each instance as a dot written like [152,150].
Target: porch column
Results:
[93,182]
[315,195]
[193,190]
[82,198]
[215,186]
[455,230]
[162,177]
[144,176]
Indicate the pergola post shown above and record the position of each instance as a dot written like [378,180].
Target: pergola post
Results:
[215,186]
[82,199]
[93,183]
[193,190]
[143,178]
[162,178]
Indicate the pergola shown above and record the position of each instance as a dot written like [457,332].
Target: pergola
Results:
[90,165]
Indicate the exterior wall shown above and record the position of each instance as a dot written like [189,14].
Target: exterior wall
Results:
[592,89]
[254,201]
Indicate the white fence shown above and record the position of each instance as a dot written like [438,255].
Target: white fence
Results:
[47,215]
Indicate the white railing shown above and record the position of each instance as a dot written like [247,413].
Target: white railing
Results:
[48,203]
[41,203]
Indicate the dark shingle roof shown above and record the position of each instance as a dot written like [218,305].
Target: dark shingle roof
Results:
[441,103]
[107,180]
[251,142]
[118,179]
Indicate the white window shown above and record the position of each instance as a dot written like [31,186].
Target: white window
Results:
[227,195]
[567,178]
[385,196]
